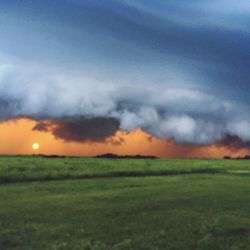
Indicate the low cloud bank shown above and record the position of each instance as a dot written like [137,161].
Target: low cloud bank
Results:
[80,129]
[92,109]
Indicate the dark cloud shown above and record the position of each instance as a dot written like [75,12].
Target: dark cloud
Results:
[41,126]
[80,129]
[3,109]
[8,107]
[233,142]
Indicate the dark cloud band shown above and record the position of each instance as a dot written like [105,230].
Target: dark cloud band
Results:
[80,129]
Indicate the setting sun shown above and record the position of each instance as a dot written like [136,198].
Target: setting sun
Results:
[35,146]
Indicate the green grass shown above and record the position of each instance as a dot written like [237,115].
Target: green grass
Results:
[24,169]
[189,208]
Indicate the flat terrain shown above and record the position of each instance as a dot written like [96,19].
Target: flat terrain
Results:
[85,203]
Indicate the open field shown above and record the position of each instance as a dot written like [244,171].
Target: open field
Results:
[85,203]
[26,169]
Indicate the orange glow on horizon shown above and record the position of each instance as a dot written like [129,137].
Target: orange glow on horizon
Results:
[17,136]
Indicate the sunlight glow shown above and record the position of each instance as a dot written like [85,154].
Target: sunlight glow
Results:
[35,146]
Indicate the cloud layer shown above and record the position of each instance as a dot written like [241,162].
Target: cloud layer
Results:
[85,108]
[176,69]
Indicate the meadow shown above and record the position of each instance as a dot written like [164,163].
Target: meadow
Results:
[123,204]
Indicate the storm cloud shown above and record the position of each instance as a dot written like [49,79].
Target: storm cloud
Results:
[184,114]
[80,129]
[178,70]
[233,142]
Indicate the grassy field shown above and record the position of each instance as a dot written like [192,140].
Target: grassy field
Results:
[85,203]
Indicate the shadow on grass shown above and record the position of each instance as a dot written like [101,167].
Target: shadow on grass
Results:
[113,174]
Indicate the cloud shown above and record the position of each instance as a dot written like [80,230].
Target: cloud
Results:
[80,129]
[175,69]
[233,143]
[84,108]
[41,126]
[207,38]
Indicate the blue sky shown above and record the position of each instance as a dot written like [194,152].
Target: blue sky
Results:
[149,64]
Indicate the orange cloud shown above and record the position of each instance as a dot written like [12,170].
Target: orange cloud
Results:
[17,137]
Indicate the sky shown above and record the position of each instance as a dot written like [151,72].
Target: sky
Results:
[85,77]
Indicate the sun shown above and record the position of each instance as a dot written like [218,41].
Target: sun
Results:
[35,146]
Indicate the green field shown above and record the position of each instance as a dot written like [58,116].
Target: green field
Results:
[86,203]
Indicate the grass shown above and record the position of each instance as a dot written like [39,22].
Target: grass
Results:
[25,169]
[191,208]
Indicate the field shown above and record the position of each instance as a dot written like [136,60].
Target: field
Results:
[123,204]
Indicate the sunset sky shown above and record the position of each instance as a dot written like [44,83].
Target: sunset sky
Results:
[86,77]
